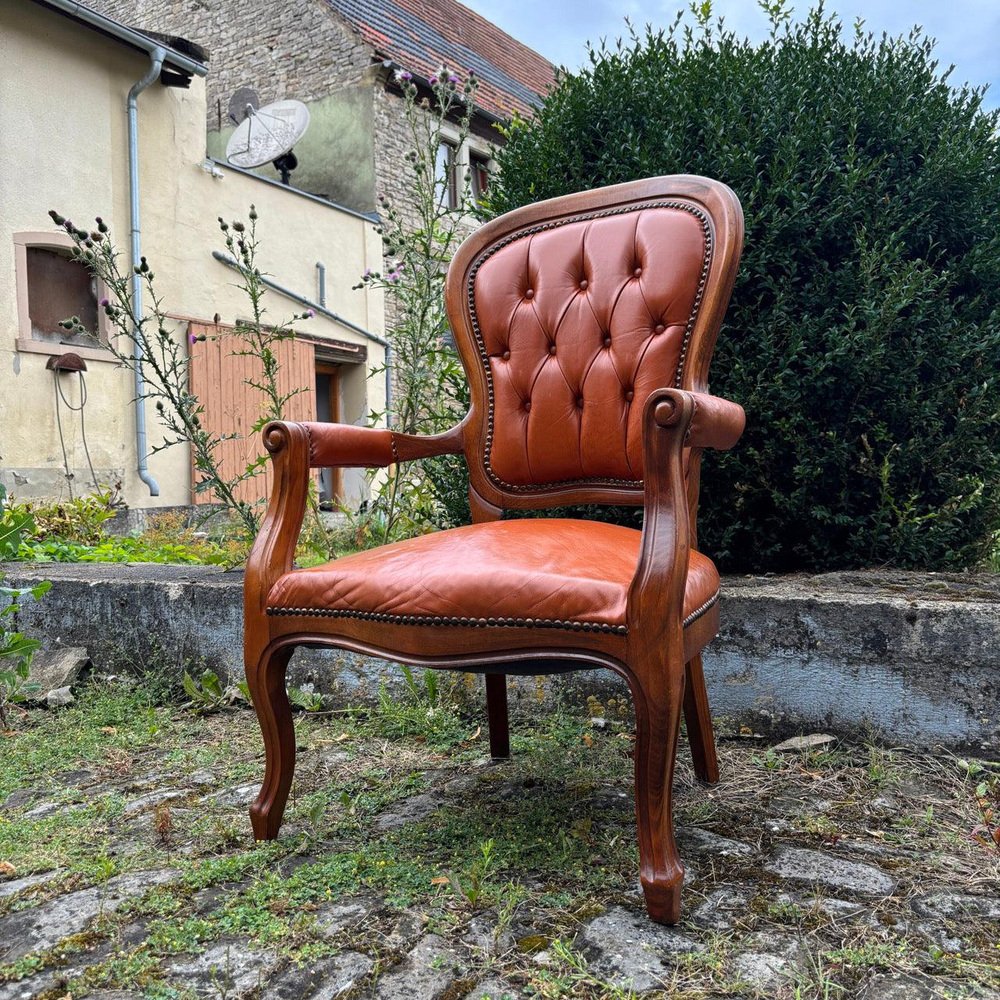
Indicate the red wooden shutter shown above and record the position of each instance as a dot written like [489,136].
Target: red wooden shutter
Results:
[219,379]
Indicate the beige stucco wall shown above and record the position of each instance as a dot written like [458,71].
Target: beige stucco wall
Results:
[62,112]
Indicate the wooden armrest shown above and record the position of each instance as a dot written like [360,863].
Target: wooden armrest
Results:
[296,448]
[347,446]
[673,419]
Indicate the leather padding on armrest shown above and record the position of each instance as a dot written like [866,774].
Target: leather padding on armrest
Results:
[347,446]
[717,422]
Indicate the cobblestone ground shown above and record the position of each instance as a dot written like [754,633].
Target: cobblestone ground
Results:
[411,867]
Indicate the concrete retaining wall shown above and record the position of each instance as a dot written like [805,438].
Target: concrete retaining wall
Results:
[903,657]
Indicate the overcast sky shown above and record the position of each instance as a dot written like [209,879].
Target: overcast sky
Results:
[967,31]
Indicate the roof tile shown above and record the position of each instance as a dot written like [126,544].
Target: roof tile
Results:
[421,35]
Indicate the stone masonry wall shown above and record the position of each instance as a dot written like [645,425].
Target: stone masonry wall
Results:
[902,657]
[282,50]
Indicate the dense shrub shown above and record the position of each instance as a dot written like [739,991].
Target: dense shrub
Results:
[864,332]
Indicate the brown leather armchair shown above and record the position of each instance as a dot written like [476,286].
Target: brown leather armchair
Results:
[585,325]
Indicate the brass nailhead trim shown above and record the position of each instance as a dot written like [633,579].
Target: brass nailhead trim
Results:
[698,612]
[484,356]
[379,616]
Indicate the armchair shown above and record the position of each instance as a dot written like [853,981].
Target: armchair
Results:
[585,325]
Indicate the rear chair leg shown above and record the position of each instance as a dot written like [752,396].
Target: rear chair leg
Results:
[266,680]
[496,713]
[699,723]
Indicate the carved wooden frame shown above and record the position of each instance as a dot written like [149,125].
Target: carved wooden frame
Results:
[657,651]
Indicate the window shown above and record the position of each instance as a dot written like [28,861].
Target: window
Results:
[479,169]
[59,287]
[461,172]
[446,175]
[52,287]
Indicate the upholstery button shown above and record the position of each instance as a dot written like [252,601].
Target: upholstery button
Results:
[552,348]
[527,404]
[506,355]
[579,402]
[660,328]
[629,395]
[607,340]
[530,293]
[637,272]
[583,284]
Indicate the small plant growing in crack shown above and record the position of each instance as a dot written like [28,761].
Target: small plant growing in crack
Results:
[163,823]
[473,887]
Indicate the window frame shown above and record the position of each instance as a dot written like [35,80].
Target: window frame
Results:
[25,342]
[461,165]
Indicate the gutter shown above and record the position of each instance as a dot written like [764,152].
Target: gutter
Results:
[317,307]
[138,40]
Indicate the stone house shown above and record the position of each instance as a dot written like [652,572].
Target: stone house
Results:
[340,57]
[69,145]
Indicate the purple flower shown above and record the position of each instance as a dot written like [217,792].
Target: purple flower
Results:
[309,313]
[392,277]
[403,76]
[192,339]
[368,273]
[452,78]
[433,81]
[104,303]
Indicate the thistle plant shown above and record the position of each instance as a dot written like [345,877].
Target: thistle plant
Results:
[419,242]
[166,361]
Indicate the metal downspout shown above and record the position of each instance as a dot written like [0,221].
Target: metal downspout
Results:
[157,55]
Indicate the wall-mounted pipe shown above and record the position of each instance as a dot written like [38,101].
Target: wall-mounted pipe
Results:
[156,56]
[321,282]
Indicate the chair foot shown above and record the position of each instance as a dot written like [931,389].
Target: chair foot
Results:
[698,718]
[266,681]
[496,712]
[663,899]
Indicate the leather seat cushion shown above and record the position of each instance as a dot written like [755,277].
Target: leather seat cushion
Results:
[559,573]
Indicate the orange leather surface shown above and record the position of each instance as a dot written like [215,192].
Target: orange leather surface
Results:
[555,570]
[348,446]
[580,323]
[717,422]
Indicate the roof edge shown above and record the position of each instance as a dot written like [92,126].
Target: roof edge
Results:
[130,36]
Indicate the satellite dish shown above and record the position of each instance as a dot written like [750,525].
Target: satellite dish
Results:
[267,135]
[242,103]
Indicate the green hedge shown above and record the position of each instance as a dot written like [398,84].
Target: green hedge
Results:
[863,337]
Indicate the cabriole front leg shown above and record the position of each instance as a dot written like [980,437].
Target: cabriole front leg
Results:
[658,697]
[266,680]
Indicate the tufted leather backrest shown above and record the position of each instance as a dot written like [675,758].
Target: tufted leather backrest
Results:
[568,314]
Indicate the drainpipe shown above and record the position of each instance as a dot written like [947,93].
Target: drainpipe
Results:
[321,282]
[156,56]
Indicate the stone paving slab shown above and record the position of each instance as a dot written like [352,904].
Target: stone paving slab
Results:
[41,927]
